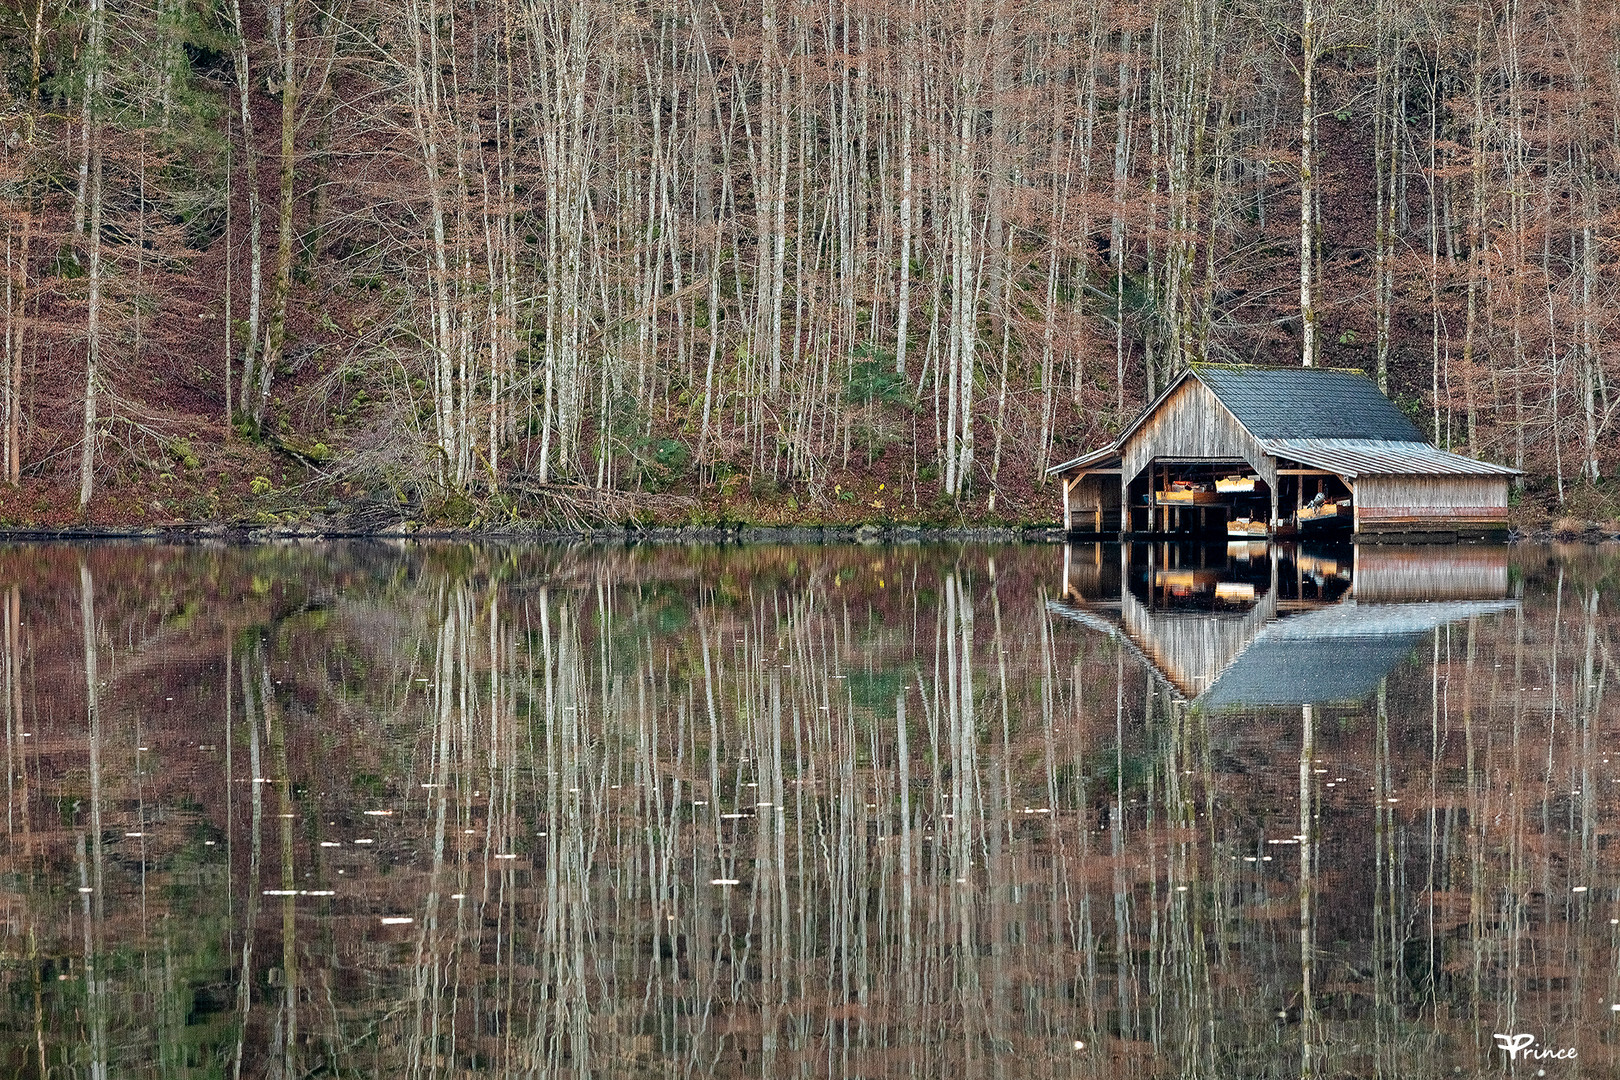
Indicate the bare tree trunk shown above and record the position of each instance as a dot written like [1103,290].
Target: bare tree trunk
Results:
[87,448]
[1307,182]
[1116,236]
[276,336]
[1476,228]
[250,154]
[903,300]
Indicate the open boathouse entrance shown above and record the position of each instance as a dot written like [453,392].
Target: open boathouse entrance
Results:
[1247,452]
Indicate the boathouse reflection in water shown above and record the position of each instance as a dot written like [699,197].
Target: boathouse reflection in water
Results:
[1252,623]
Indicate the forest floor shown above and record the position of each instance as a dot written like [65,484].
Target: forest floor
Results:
[240,487]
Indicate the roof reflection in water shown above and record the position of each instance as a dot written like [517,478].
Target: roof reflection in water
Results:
[1263,624]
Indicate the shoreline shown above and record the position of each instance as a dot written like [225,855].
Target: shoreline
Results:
[869,534]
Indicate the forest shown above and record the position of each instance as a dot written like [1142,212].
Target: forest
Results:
[771,260]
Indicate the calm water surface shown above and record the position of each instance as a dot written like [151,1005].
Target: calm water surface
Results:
[371,810]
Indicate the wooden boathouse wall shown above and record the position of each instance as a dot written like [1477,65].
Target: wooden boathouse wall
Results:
[1193,648]
[1386,575]
[1192,423]
[1403,503]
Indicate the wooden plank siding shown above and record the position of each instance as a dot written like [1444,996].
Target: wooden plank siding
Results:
[1192,423]
[1393,503]
[1092,501]
[1193,648]
[1404,574]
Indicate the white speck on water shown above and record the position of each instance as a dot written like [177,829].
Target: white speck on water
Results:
[379,813]
[330,843]
[1181,888]
[724,881]
[85,888]
[1078,1045]
[1265,858]
[506,856]
[1578,888]
[208,843]
[458,896]
[134,834]
[365,840]
[766,804]
[396,920]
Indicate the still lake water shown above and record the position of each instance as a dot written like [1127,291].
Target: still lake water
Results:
[375,810]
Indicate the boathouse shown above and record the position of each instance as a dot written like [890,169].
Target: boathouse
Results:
[1241,451]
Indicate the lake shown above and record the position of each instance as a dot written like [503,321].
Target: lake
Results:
[373,809]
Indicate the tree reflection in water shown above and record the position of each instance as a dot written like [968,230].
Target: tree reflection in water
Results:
[857,811]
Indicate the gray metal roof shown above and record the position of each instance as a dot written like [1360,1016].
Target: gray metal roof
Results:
[1382,457]
[1325,417]
[1093,457]
[1306,403]
[1333,654]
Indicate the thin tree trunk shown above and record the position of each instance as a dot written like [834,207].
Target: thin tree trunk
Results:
[250,155]
[276,337]
[1307,182]
[92,352]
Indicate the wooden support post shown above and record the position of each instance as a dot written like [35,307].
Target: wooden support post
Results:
[1068,516]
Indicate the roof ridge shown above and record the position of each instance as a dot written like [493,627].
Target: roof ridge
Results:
[1228,366]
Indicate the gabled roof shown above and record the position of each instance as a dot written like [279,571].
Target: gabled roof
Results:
[1330,418]
[1306,403]
[1337,653]
[1381,457]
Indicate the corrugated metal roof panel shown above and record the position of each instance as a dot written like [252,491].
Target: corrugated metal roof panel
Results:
[1093,458]
[1382,457]
[1306,403]
[1333,654]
